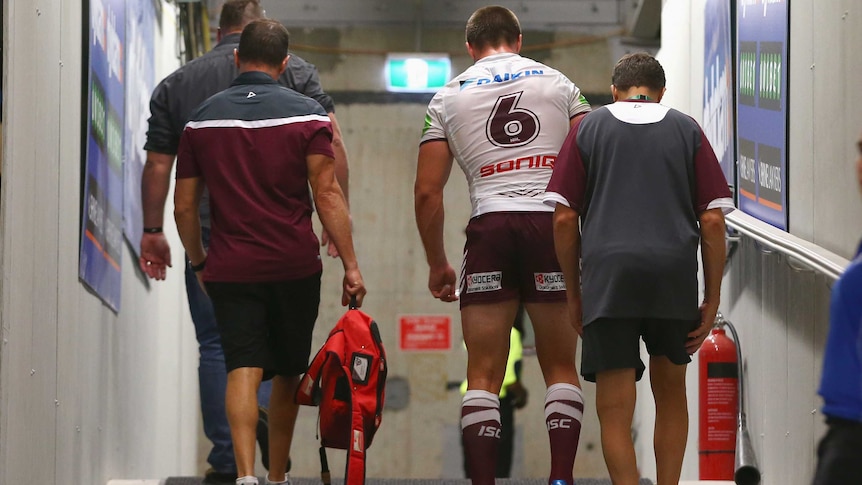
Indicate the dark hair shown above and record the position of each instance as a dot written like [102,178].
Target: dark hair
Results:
[236,14]
[638,69]
[493,26]
[264,41]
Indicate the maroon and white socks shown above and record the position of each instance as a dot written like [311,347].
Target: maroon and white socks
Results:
[480,432]
[564,409]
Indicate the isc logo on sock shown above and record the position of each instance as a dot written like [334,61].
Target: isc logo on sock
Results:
[562,423]
[489,431]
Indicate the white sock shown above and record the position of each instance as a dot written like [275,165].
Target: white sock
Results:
[286,480]
[247,480]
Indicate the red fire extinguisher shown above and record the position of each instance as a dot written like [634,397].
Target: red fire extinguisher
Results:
[719,392]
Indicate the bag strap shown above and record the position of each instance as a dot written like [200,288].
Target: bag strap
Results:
[354,473]
[324,467]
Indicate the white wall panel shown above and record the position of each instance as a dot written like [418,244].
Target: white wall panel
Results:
[802,378]
[803,102]
[28,363]
[82,389]
[836,230]
[773,365]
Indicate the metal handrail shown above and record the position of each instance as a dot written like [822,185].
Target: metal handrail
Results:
[817,258]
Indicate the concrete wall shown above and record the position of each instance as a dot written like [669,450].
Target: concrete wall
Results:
[85,394]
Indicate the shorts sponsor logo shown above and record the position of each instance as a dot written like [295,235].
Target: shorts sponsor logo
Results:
[550,282]
[478,282]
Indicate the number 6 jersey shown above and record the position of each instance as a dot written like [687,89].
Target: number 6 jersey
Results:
[505,119]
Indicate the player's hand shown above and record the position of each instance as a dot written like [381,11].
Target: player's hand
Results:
[155,255]
[331,250]
[442,283]
[576,313]
[696,337]
[518,394]
[354,286]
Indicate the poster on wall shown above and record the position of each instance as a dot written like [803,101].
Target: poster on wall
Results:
[102,222]
[140,74]
[718,85]
[761,97]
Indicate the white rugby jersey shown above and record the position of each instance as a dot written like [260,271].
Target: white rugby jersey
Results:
[505,119]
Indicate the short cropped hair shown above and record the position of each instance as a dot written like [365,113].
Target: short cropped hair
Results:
[638,69]
[264,41]
[492,27]
[236,14]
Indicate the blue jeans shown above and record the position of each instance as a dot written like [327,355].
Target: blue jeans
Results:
[212,374]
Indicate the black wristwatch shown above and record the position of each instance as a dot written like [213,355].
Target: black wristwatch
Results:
[198,267]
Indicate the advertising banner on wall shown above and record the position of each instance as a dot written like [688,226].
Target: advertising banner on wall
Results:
[102,221]
[761,94]
[140,74]
[718,85]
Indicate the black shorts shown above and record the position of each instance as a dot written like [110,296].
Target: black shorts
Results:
[510,256]
[267,325]
[614,343]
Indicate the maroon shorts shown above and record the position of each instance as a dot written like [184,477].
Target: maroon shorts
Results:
[510,256]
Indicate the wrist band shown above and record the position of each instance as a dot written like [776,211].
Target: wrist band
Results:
[153,230]
[198,267]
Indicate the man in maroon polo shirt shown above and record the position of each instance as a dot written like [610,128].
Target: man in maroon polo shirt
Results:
[257,146]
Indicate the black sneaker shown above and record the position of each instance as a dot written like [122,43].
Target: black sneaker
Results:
[212,477]
[263,435]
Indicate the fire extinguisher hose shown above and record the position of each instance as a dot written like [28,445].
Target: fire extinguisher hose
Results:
[746,470]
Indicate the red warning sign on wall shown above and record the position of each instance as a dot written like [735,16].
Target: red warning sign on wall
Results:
[425,332]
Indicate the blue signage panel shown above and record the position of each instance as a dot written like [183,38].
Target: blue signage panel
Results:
[140,70]
[718,85]
[761,106]
[102,222]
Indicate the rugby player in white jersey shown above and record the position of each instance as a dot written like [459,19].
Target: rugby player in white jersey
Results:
[504,120]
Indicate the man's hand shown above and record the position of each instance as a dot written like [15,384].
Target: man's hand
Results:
[155,255]
[518,394]
[353,286]
[442,283]
[331,250]
[696,337]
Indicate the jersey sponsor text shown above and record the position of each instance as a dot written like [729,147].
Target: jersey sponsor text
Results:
[501,78]
[532,161]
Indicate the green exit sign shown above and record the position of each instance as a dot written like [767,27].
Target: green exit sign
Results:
[417,73]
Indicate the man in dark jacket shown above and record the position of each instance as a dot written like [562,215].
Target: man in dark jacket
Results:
[171,104]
